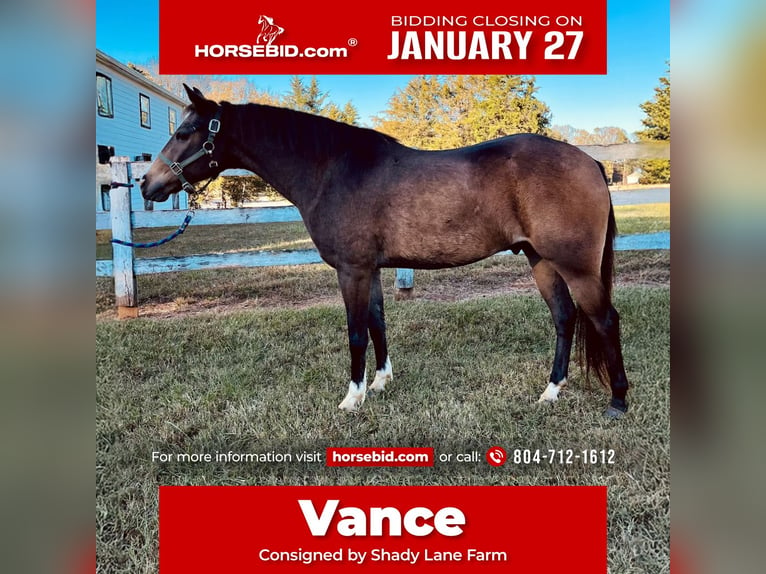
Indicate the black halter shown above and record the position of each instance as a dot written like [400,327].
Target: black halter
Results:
[207,149]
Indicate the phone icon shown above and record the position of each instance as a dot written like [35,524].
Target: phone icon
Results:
[496,456]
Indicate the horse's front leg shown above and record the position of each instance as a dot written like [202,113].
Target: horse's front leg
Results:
[383,373]
[355,287]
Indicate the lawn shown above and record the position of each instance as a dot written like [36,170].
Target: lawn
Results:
[255,360]
[467,375]
[644,218]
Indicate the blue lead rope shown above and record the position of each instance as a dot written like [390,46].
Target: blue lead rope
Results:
[170,237]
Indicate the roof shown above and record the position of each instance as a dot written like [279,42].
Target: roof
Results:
[110,62]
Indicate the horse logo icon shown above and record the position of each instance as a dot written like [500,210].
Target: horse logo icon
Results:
[269,30]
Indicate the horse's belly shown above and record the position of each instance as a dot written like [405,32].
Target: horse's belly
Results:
[441,249]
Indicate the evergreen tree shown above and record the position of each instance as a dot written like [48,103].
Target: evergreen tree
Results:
[305,98]
[657,110]
[657,123]
[310,98]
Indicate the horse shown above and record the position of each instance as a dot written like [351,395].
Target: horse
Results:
[269,30]
[370,202]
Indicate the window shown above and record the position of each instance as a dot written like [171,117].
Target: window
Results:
[106,203]
[104,153]
[171,121]
[104,96]
[143,104]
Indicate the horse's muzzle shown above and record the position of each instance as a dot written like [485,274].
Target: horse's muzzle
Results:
[154,191]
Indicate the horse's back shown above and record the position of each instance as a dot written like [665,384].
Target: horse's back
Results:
[457,206]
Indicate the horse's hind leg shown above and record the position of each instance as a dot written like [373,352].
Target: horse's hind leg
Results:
[601,340]
[377,325]
[556,294]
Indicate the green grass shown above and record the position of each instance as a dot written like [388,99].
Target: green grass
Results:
[644,218]
[213,238]
[467,375]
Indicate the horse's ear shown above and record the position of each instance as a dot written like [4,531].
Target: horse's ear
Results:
[196,98]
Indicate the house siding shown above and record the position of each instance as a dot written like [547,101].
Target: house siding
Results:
[124,131]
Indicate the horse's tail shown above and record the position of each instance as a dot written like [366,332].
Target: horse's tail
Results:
[591,351]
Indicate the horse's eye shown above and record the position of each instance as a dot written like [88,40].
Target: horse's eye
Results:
[184,132]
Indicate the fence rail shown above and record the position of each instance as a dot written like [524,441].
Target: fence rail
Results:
[170,218]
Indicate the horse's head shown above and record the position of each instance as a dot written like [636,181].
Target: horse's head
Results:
[192,154]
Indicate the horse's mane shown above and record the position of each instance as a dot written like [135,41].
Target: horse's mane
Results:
[312,136]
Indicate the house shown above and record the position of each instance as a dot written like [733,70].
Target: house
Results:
[134,118]
[634,177]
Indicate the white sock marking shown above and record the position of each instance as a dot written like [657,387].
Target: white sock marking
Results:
[382,377]
[551,392]
[354,397]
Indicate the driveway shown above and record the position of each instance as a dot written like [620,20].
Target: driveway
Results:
[649,195]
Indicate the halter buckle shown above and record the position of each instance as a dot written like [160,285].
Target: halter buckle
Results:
[214,126]
[188,188]
[208,146]
[176,168]
[213,164]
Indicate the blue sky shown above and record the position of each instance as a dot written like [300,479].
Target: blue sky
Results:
[638,49]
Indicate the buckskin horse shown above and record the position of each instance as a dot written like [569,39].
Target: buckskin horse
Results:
[369,202]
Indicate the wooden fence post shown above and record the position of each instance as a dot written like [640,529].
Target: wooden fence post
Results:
[405,281]
[122,256]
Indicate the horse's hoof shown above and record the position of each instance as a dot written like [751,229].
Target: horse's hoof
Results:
[551,392]
[380,382]
[613,413]
[354,398]
[382,378]
[379,385]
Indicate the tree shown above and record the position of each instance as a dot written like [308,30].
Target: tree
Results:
[502,105]
[657,123]
[415,112]
[609,135]
[235,91]
[233,190]
[436,112]
[310,98]
[657,110]
[348,114]
[571,134]
[305,98]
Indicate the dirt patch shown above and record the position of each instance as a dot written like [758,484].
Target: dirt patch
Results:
[447,288]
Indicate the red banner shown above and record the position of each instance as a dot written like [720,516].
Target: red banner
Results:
[288,529]
[395,37]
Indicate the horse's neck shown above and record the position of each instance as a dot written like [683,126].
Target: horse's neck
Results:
[291,174]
